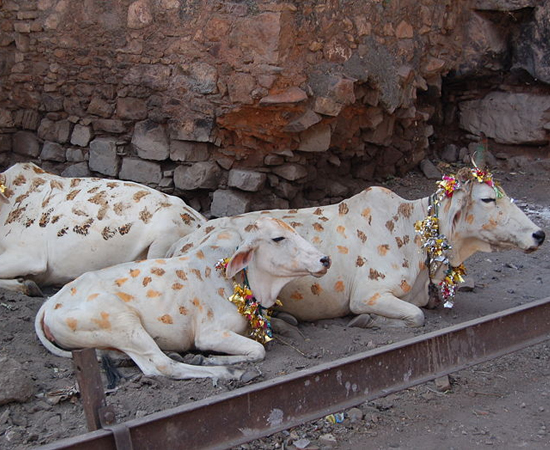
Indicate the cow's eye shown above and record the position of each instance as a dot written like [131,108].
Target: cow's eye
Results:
[278,239]
[488,200]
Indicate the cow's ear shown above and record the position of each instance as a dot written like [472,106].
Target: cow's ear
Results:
[458,205]
[240,259]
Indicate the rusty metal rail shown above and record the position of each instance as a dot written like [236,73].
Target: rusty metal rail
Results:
[267,407]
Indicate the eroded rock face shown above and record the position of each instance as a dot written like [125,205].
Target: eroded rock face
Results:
[279,98]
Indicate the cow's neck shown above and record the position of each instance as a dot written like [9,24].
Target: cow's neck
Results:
[264,286]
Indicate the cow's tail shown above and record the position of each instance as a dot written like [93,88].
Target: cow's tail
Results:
[39,328]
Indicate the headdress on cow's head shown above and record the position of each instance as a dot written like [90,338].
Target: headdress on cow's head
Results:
[437,245]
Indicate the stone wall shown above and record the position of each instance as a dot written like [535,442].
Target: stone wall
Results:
[233,105]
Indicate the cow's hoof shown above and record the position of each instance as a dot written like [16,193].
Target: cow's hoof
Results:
[197,360]
[362,321]
[32,289]
[283,328]
[249,375]
[288,318]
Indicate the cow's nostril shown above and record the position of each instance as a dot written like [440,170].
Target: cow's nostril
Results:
[325,261]
[539,236]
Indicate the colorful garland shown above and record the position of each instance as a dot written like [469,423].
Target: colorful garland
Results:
[258,317]
[437,246]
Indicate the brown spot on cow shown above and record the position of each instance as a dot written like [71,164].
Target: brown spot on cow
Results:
[160,261]
[401,241]
[107,233]
[73,291]
[360,262]
[181,274]
[421,265]
[405,209]
[343,209]
[339,286]
[125,297]
[104,322]
[316,289]
[361,235]
[405,264]
[92,297]
[200,254]
[197,303]
[166,318]
[390,225]
[187,218]
[296,224]
[177,286]
[62,231]
[318,227]
[342,249]
[36,183]
[207,272]
[210,314]
[19,180]
[75,182]
[57,306]
[208,229]
[124,229]
[139,195]
[197,273]
[372,300]
[318,212]
[224,235]
[71,195]
[187,247]
[296,296]
[251,227]
[71,323]
[121,281]
[366,214]
[418,240]
[405,287]
[340,229]
[375,275]
[153,294]
[134,273]
[158,271]
[45,218]
[183,310]
[146,281]
[145,216]
[119,208]
[94,189]
[383,249]
[285,226]
[221,292]
[491,225]
[316,240]
[15,215]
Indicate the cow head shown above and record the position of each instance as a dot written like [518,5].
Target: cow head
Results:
[274,254]
[479,216]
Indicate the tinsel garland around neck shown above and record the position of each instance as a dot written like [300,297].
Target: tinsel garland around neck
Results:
[436,244]
[258,317]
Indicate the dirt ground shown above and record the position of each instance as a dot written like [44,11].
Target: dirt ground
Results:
[503,403]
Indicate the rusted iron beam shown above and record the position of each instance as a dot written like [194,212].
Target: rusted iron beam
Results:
[90,386]
[267,407]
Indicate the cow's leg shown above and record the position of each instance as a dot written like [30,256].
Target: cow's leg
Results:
[27,287]
[141,347]
[386,310]
[238,348]
[17,264]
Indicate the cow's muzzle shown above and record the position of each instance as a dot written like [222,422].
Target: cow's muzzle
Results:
[539,237]
[326,263]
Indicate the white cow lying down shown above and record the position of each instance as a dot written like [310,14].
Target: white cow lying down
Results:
[53,229]
[180,303]
[379,266]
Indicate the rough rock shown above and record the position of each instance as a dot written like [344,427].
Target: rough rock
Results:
[246,180]
[140,171]
[52,151]
[229,203]
[151,141]
[188,151]
[26,143]
[201,175]
[430,171]
[17,384]
[81,135]
[103,156]
[508,118]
